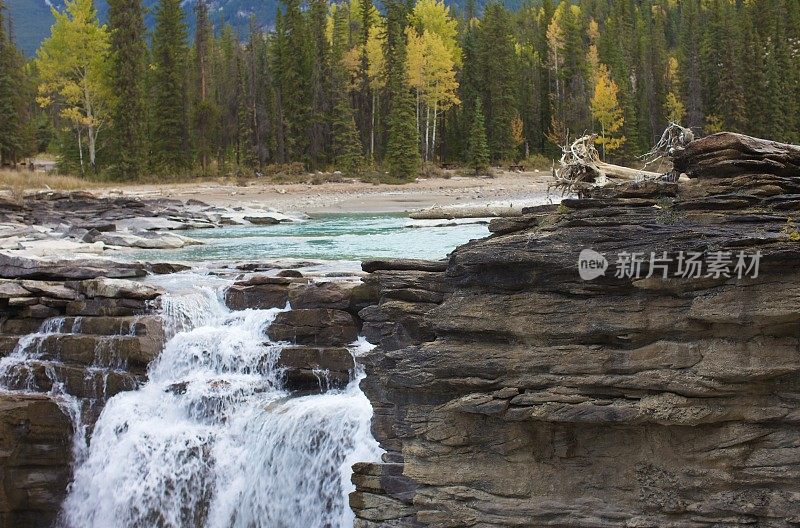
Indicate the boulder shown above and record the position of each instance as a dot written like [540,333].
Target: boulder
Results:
[258,296]
[316,326]
[116,288]
[334,295]
[262,220]
[316,369]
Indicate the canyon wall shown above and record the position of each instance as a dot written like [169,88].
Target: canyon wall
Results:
[510,392]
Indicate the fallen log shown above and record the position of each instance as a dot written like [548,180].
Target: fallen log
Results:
[580,167]
[453,213]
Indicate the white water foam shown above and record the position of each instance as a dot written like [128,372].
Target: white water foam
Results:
[17,375]
[214,440]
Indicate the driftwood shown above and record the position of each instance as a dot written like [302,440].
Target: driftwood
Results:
[581,168]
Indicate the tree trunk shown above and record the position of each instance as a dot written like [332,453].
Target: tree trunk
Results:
[80,150]
[427,129]
[372,125]
[433,137]
[92,148]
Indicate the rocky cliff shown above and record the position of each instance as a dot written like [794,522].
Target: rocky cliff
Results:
[66,346]
[508,391]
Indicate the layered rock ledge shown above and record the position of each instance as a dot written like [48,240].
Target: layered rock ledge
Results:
[70,338]
[510,392]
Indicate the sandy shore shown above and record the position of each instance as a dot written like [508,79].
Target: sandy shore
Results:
[505,189]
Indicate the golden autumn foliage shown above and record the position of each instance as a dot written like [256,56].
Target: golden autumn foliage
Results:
[606,110]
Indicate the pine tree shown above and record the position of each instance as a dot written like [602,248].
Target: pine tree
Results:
[170,136]
[320,84]
[226,76]
[259,100]
[402,152]
[497,60]
[689,53]
[204,111]
[477,146]
[10,126]
[129,53]
[469,78]
[294,74]
[346,143]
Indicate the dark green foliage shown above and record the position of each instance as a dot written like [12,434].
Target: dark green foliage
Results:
[346,144]
[402,146]
[295,69]
[320,85]
[477,146]
[11,131]
[498,66]
[170,132]
[128,56]
[204,113]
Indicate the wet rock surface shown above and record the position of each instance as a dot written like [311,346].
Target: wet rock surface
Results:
[314,326]
[509,392]
[35,457]
[68,345]
[47,224]
[315,369]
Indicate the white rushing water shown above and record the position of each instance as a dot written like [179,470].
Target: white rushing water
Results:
[213,439]
[18,374]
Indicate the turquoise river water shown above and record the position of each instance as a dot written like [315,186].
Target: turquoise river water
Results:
[330,237]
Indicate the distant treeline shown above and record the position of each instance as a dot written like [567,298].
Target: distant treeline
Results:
[351,87]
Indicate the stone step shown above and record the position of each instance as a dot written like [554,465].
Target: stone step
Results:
[102,306]
[121,352]
[90,383]
[99,325]
[316,369]
[315,326]
[137,325]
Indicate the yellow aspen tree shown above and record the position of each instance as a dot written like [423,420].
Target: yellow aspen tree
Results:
[73,65]
[674,106]
[415,60]
[606,111]
[434,16]
[555,62]
[440,85]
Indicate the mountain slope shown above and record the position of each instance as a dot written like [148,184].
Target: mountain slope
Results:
[31,19]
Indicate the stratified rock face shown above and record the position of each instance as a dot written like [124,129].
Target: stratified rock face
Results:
[65,346]
[510,392]
[35,456]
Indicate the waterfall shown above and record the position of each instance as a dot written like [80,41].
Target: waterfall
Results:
[213,438]
[17,374]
